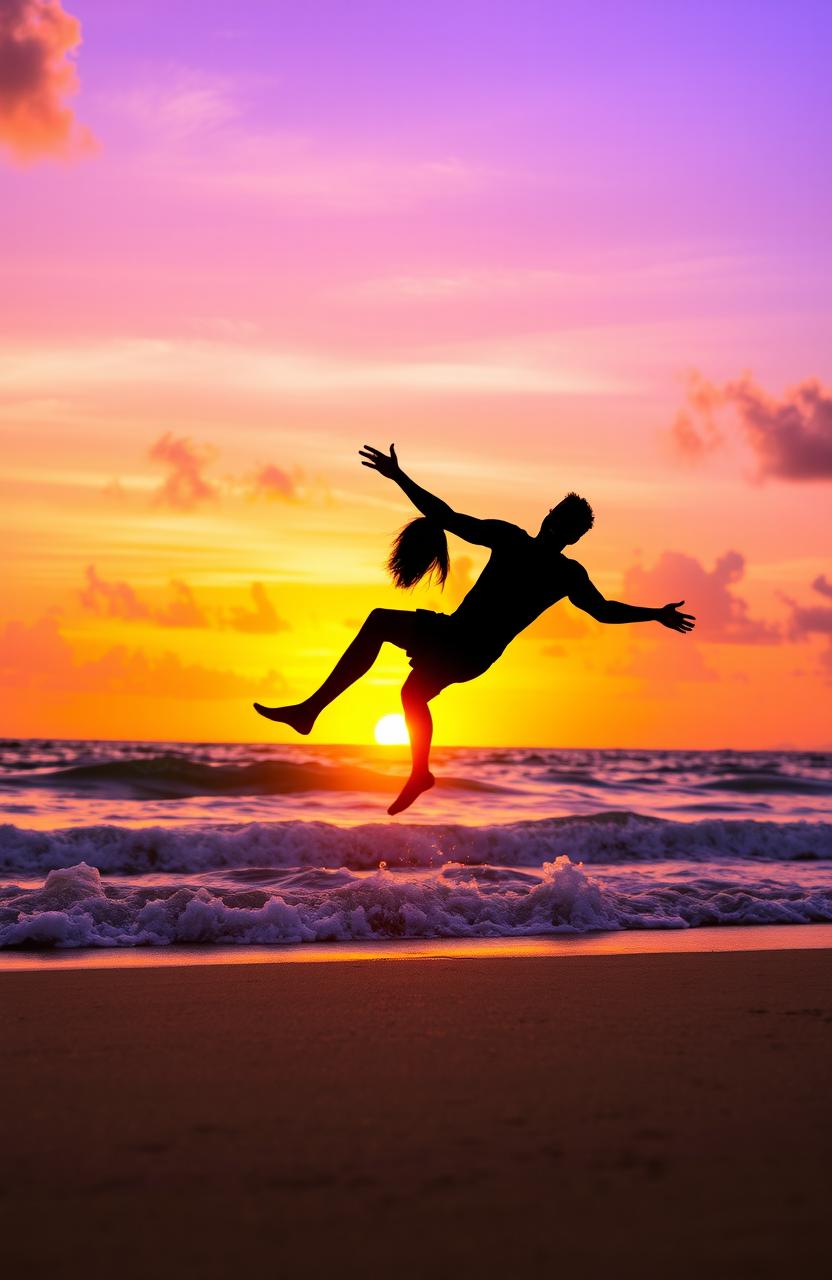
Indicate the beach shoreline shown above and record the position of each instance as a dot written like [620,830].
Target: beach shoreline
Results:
[458,1116]
[707,939]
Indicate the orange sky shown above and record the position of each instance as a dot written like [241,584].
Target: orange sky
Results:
[220,282]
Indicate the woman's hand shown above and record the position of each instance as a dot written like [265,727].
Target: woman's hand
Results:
[669,616]
[379,461]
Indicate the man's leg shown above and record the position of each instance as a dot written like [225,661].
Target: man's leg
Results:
[416,693]
[382,624]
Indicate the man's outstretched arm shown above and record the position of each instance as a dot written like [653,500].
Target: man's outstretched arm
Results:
[483,533]
[585,595]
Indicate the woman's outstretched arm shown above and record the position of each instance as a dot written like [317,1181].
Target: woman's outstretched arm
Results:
[483,533]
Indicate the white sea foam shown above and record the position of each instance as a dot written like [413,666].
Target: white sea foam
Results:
[75,907]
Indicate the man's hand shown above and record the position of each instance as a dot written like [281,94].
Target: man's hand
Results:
[669,616]
[379,461]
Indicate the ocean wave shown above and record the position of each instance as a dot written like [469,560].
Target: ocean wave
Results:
[75,908]
[606,838]
[173,777]
[771,783]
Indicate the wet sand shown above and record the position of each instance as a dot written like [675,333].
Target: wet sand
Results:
[638,1114]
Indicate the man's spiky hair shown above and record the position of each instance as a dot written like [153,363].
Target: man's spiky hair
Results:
[576,512]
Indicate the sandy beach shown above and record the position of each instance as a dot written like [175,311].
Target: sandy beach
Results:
[439,1116]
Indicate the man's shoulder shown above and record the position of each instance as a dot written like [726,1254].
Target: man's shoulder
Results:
[573,570]
[508,534]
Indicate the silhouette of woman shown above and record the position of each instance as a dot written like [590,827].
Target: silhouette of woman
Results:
[524,575]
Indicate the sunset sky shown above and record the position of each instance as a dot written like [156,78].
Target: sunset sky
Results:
[540,246]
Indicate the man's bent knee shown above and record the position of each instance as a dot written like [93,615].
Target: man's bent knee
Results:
[416,692]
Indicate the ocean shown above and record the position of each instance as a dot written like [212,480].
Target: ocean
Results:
[127,844]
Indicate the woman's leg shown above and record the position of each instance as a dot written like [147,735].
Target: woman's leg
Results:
[395,625]
[416,693]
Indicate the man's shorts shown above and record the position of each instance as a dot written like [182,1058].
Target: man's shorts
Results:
[442,652]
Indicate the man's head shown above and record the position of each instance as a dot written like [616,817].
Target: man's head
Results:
[568,521]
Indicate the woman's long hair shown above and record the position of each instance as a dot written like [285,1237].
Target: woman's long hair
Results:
[420,548]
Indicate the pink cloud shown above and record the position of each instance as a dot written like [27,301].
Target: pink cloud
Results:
[813,619]
[37,43]
[721,614]
[185,486]
[183,610]
[262,619]
[119,600]
[791,438]
[112,599]
[696,433]
[38,657]
[808,621]
[29,653]
[273,482]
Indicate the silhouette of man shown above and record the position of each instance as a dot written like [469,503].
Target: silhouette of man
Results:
[524,576]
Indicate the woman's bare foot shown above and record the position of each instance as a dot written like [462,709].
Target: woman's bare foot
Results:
[415,785]
[298,717]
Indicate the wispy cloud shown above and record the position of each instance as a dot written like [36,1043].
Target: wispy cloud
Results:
[662,277]
[38,39]
[180,110]
[177,103]
[301,173]
[489,368]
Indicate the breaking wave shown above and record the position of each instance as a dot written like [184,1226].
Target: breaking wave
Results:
[75,908]
[607,838]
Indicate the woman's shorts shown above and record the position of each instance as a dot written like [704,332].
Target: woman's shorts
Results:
[442,652]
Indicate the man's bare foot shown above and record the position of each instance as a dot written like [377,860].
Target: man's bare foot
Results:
[415,785]
[298,717]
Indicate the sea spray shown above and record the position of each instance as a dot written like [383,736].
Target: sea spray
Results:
[77,907]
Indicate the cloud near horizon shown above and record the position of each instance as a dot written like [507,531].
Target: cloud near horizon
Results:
[119,600]
[38,656]
[262,619]
[114,599]
[38,39]
[791,438]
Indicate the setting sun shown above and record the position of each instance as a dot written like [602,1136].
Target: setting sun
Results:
[391,731]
